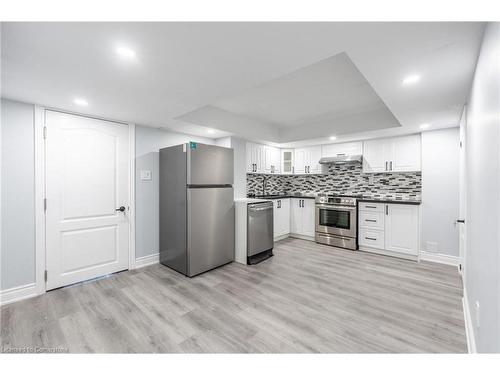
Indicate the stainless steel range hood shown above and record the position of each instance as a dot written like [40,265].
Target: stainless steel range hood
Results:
[342,159]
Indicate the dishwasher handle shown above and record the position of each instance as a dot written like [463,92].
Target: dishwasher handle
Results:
[254,209]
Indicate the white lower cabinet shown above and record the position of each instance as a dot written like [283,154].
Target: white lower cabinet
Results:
[389,227]
[281,217]
[302,216]
[371,238]
[401,229]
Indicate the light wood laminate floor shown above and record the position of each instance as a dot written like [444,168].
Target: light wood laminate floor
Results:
[307,298]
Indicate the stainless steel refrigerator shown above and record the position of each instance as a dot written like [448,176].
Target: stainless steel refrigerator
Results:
[196,207]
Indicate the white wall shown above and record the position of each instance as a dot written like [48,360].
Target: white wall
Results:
[18,191]
[240,175]
[482,265]
[148,141]
[18,195]
[440,191]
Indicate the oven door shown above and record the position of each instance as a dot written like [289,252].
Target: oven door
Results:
[337,220]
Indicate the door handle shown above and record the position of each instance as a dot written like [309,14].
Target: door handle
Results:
[390,165]
[121,209]
[461,221]
[386,209]
[386,165]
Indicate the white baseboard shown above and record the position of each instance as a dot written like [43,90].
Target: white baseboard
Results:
[469,330]
[279,238]
[439,258]
[302,237]
[17,294]
[388,253]
[147,260]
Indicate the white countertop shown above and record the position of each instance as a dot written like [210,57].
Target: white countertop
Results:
[250,200]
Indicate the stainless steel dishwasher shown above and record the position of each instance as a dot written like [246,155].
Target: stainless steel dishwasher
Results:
[260,232]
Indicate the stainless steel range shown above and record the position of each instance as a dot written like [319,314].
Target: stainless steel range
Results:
[337,221]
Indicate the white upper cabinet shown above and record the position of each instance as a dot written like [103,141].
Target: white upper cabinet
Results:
[399,154]
[272,159]
[342,149]
[376,156]
[287,161]
[407,154]
[314,157]
[255,158]
[307,160]
[300,162]
[262,159]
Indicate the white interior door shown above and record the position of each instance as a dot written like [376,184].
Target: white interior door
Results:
[87,179]
[462,192]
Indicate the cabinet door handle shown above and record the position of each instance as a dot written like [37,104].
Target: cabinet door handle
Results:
[386,209]
[391,165]
[386,165]
[370,238]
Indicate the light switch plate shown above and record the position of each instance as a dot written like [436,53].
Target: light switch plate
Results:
[145,175]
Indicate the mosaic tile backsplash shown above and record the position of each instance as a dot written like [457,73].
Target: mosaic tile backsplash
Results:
[342,179]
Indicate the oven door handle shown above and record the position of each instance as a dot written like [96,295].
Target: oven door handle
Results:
[328,207]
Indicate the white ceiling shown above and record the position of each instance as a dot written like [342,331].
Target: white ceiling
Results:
[218,71]
[323,98]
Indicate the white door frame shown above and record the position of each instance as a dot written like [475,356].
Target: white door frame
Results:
[463,193]
[40,227]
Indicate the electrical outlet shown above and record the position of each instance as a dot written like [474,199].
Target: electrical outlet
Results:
[145,175]
[478,312]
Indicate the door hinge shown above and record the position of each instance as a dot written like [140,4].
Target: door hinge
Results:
[44,132]
[45,204]
[45,275]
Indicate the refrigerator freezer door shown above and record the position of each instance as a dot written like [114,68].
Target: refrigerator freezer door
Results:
[209,165]
[210,228]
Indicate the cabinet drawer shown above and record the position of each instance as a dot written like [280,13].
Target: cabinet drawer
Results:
[371,238]
[372,220]
[373,207]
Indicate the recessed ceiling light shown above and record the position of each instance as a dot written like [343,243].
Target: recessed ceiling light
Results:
[125,52]
[332,138]
[210,131]
[81,102]
[424,126]
[411,79]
